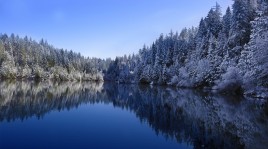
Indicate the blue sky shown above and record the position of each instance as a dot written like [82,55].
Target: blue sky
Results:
[101,28]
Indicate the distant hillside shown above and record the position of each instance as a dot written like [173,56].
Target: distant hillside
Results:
[24,58]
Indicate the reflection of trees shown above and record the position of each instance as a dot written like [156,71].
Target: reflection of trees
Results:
[200,119]
[205,120]
[26,99]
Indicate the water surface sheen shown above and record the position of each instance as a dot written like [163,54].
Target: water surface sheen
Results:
[48,115]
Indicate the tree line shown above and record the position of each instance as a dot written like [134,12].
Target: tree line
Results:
[24,58]
[226,52]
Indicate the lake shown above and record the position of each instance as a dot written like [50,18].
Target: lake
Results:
[47,115]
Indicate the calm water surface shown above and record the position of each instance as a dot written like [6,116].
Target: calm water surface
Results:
[49,115]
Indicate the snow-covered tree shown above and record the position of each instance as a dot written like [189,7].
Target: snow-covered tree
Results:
[8,69]
[213,20]
[226,21]
[257,51]
[230,82]
[240,25]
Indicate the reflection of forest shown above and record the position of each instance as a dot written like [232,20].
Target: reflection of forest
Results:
[26,99]
[200,119]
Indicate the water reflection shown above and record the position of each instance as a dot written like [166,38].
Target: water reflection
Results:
[25,99]
[200,119]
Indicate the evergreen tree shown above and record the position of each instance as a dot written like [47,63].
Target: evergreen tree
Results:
[227,22]
[213,21]
[240,25]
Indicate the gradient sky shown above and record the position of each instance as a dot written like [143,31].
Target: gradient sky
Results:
[101,28]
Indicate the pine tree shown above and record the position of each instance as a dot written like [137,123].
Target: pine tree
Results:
[240,25]
[227,22]
[213,21]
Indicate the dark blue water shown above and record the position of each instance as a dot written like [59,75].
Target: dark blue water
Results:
[89,115]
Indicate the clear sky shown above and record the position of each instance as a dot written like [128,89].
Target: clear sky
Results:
[101,28]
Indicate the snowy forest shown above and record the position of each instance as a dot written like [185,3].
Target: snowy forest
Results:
[24,58]
[226,52]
